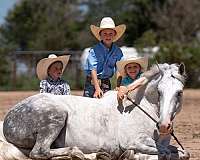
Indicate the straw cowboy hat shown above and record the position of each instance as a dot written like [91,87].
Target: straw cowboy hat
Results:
[108,23]
[142,61]
[44,64]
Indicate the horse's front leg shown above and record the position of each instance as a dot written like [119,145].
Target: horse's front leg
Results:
[67,153]
[50,129]
[178,153]
[76,153]
[98,156]
[141,150]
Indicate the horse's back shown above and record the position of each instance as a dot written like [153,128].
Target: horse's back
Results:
[23,122]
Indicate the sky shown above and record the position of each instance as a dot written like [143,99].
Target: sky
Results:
[5,5]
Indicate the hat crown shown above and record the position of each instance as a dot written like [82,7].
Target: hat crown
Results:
[142,61]
[107,22]
[52,56]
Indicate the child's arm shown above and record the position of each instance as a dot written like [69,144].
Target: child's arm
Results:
[147,76]
[98,92]
[123,90]
[66,89]
[119,81]
[137,83]
[43,86]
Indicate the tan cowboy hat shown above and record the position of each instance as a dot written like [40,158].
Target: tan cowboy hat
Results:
[142,61]
[44,64]
[108,23]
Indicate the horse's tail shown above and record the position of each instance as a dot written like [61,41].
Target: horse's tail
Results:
[9,152]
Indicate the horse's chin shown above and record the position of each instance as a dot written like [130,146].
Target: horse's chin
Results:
[165,130]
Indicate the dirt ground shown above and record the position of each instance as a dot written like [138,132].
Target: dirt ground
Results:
[187,123]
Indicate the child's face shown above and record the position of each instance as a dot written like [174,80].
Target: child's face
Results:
[55,70]
[107,36]
[132,69]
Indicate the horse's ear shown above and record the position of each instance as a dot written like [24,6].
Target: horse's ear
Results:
[181,69]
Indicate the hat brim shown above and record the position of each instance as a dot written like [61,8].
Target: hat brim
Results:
[142,61]
[44,64]
[120,29]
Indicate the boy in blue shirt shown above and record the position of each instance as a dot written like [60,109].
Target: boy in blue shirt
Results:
[101,61]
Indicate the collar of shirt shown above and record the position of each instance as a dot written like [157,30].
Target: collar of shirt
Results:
[106,48]
[52,81]
[128,80]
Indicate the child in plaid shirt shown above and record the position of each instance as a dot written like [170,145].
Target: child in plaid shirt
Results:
[49,71]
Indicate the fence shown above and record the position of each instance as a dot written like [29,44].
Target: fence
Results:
[24,67]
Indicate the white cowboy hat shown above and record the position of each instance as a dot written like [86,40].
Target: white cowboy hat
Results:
[142,61]
[108,23]
[44,64]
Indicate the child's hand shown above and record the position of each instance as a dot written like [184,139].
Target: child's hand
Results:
[98,93]
[122,92]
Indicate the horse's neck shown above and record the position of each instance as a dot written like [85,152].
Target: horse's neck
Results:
[151,93]
[147,96]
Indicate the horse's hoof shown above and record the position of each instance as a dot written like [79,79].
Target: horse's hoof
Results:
[34,155]
[77,154]
[103,156]
[77,157]
[128,154]
[61,158]
[164,157]
[184,155]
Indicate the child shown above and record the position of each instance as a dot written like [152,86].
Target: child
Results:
[101,61]
[49,71]
[131,70]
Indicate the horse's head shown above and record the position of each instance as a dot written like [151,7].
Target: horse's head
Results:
[168,92]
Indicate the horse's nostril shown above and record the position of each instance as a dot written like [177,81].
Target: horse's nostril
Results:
[168,127]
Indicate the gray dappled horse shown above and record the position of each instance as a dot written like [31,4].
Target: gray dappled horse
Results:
[88,125]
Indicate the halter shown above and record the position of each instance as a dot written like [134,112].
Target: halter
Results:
[178,77]
[172,132]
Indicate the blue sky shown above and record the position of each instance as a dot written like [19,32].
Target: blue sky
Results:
[5,5]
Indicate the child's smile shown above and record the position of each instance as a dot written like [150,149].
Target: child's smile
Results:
[132,70]
[55,70]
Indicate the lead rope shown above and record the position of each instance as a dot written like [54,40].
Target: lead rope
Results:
[172,133]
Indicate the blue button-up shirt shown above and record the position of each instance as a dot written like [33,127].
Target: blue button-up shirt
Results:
[103,60]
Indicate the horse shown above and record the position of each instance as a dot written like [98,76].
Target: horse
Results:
[44,126]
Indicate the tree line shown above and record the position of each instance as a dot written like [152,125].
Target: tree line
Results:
[173,25]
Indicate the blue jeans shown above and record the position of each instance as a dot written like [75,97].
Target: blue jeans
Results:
[89,88]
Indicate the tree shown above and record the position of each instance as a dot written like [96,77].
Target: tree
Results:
[177,20]
[35,24]
[134,13]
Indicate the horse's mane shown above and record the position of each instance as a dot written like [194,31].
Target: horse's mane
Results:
[172,69]
[153,75]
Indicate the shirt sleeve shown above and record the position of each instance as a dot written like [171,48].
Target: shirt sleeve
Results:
[67,90]
[91,62]
[43,86]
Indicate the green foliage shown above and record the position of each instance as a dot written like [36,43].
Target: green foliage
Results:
[24,82]
[40,25]
[75,82]
[188,54]
[4,70]
[173,25]
[148,39]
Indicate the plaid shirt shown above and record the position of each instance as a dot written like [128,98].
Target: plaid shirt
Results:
[57,87]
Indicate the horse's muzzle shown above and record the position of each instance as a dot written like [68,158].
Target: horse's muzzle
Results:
[165,128]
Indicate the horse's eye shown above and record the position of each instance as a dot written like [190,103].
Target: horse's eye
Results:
[179,94]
